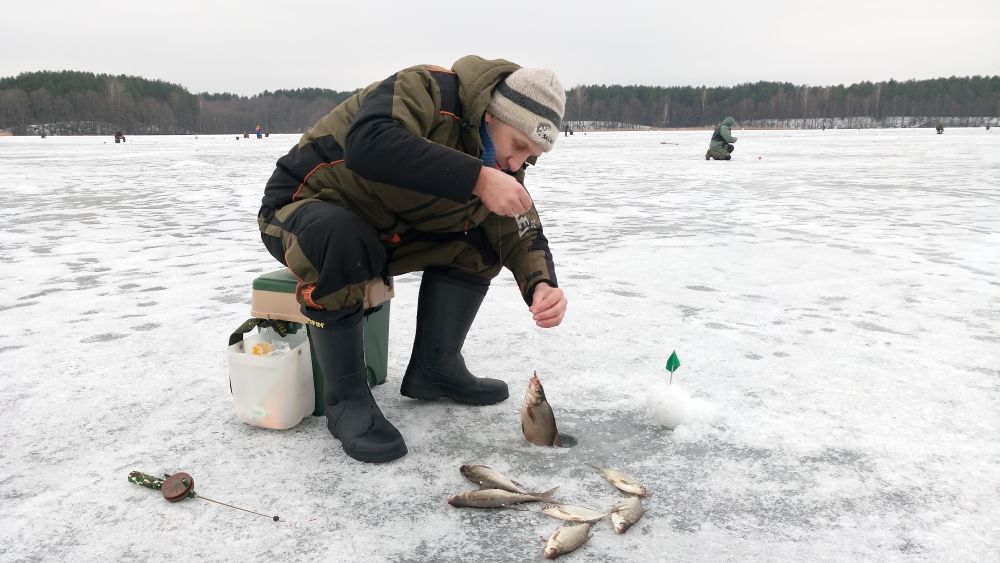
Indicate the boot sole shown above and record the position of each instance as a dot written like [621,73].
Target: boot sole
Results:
[373,457]
[477,400]
[381,457]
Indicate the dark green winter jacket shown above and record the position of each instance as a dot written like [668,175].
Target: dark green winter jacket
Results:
[404,155]
[723,134]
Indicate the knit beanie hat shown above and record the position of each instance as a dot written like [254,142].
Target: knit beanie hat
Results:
[531,100]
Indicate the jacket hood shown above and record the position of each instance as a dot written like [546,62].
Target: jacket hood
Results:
[477,77]
[729,122]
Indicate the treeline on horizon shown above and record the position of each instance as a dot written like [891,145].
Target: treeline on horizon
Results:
[87,103]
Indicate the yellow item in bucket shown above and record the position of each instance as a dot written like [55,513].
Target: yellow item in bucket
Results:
[261,349]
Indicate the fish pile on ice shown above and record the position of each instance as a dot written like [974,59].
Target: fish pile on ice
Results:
[538,424]
[499,491]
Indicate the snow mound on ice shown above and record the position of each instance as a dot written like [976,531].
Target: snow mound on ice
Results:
[672,406]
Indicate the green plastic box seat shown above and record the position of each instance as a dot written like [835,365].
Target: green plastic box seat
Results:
[274,298]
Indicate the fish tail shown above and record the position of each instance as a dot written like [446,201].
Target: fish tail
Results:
[546,495]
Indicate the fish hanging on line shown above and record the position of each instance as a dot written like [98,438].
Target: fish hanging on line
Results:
[538,423]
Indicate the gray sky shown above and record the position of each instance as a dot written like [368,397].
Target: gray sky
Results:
[249,46]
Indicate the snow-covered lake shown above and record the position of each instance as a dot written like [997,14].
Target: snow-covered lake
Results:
[835,294]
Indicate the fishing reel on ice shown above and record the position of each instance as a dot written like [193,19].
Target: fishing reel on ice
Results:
[178,487]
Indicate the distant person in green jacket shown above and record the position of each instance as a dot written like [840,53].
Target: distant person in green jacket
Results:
[721,147]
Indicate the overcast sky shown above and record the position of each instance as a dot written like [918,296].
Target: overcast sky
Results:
[249,46]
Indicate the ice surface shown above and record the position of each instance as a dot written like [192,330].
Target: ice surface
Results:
[837,298]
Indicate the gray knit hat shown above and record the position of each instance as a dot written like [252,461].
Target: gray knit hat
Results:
[531,100]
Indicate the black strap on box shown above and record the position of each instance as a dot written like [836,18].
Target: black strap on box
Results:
[283,328]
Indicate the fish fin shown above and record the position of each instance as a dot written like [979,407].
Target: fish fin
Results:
[620,505]
[547,494]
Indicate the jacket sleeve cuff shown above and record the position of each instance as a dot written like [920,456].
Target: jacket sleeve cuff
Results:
[529,293]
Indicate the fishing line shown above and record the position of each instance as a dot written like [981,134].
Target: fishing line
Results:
[500,241]
[202,497]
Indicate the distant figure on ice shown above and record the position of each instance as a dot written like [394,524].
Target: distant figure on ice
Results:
[940,128]
[721,146]
[260,133]
[119,137]
[246,135]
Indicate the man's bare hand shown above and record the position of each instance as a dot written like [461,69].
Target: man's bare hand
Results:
[501,193]
[548,305]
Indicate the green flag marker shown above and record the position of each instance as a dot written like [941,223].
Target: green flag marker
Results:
[672,364]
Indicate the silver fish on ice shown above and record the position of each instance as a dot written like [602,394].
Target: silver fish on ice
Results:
[490,478]
[626,513]
[496,498]
[573,513]
[622,481]
[566,539]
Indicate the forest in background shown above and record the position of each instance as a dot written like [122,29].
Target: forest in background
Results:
[82,103]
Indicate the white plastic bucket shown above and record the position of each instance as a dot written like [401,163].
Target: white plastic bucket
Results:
[272,391]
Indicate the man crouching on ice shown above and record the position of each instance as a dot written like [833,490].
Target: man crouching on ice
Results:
[422,171]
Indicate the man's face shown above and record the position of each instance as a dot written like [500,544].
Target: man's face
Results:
[511,145]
